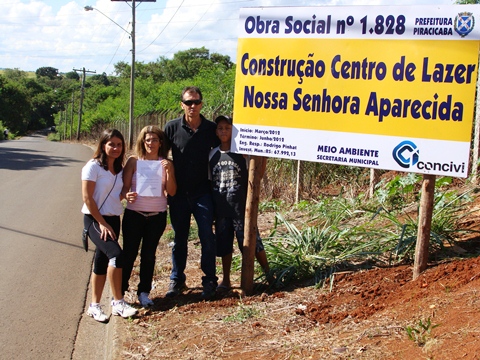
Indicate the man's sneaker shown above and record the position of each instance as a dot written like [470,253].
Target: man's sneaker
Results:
[122,309]
[97,313]
[209,291]
[175,288]
[145,300]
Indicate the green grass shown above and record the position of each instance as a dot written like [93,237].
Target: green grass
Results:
[420,332]
[344,232]
[242,313]
[54,136]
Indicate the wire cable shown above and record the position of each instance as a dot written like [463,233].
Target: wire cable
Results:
[189,31]
[169,21]
[118,47]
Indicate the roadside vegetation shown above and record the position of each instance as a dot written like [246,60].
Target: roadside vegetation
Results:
[36,101]
[348,230]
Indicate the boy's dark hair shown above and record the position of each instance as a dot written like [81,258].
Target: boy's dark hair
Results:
[226,118]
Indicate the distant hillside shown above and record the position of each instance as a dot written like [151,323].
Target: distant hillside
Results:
[30,74]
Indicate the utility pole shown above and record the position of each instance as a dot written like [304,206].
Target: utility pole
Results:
[132,82]
[65,125]
[60,122]
[132,72]
[82,91]
[71,116]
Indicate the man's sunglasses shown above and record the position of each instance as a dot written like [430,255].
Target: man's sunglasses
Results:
[190,102]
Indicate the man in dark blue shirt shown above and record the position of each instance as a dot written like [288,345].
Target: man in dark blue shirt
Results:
[192,137]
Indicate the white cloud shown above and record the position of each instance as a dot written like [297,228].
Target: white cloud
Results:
[63,35]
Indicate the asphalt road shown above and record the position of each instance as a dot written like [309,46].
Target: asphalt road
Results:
[44,271]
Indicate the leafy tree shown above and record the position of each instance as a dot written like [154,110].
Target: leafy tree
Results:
[146,97]
[152,70]
[73,75]
[223,60]
[217,87]
[122,69]
[42,111]
[15,74]
[41,100]
[100,79]
[48,72]
[187,64]
[104,104]
[191,61]
[26,103]
[14,106]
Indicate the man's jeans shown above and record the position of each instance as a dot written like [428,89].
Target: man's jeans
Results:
[181,209]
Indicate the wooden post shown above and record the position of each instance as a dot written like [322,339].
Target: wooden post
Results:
[424,225]
[374,179]
[299,189]
[476,136]
[71,116]
[255,166]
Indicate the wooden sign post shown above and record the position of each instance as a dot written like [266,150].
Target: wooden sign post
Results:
[256,167]
[424,225]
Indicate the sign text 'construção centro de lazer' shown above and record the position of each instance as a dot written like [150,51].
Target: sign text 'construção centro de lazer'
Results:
[385,87]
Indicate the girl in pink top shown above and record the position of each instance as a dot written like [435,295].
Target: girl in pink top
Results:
[145,217]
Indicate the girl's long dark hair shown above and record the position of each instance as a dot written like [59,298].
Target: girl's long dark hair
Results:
[101,155]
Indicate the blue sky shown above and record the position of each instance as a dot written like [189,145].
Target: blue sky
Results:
[61,34]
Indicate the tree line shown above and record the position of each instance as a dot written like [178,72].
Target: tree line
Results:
[30,103]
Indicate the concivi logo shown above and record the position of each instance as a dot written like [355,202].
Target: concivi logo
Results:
[406,154]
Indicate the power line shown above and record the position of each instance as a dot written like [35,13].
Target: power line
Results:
[113,56]
[188,32]
[108,50]
[175,13]
[198,21]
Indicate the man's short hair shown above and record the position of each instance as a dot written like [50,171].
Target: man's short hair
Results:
[192,89]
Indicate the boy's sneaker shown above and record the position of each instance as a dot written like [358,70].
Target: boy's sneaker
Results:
[175,288]
[122,309]
[97,313]
[209,291]
[270,276]
[145,300]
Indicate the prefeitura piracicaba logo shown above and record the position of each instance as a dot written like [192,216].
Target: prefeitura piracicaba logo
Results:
[464,23]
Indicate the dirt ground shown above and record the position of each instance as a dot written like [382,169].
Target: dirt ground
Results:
[365,315]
